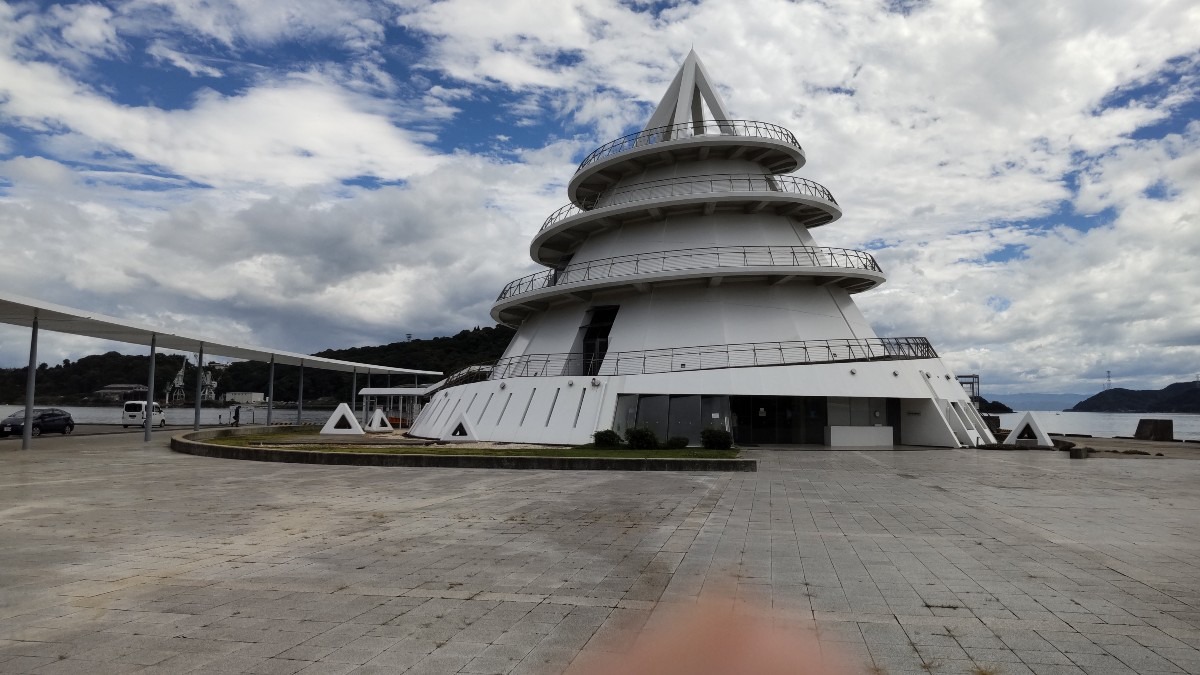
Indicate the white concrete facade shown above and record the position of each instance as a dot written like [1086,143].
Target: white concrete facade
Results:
[684,290]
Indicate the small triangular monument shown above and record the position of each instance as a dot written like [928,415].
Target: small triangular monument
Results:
[1027,431]
[342,422]
[379,424]
[461,430]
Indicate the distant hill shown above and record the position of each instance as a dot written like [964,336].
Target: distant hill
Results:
[73,383]
[990,407]
[1181,397]
[443,354]
[1055,402]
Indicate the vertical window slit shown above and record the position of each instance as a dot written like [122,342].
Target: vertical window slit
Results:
[552,404]
[579,408]
[485,407]
[503,409]
[527,403]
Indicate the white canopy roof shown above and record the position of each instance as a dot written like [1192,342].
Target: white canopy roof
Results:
[21,311]
[391,391]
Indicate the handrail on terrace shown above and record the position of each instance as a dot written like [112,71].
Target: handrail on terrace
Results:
[708,357]
[688,130]
[693,258]
[704,184]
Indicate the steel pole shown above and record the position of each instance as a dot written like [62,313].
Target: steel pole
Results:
[300,395]
[150,390]
[354,389]
[364,412]
[270,389]
[30,383]
[199,383]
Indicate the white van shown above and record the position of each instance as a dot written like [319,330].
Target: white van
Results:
[135,415]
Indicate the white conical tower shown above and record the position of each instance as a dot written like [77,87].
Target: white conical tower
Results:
[684,290]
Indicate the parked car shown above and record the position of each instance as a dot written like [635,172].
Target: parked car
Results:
[134,415]
[44,419]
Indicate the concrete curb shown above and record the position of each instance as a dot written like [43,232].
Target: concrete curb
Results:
[192,443]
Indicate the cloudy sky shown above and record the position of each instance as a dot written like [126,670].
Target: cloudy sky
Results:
[322,173]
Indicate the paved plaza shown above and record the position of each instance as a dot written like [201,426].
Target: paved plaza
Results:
[120,557]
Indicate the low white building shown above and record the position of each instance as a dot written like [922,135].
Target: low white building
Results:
[244,397]
[684,290]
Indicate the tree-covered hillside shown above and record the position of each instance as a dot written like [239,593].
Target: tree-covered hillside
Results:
[74,382]
[1181,397]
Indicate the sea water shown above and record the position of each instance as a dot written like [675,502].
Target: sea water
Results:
[1106,425]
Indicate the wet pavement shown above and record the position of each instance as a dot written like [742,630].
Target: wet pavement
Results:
[116,556]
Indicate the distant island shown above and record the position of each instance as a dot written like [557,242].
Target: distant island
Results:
[990,407]
[1181,397]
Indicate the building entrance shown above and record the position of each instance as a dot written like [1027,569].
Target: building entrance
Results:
[764,420]
[595,338]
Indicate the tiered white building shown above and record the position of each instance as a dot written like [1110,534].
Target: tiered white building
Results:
[684,290]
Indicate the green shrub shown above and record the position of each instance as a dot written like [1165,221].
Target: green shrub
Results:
[716,439]
[641,439]
[607,439]
[676,442]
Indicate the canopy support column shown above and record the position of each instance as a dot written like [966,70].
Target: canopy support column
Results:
[270,389]
[300,395]
[354,389]
[199,383]
[149,416]
[364,409]
[30,383]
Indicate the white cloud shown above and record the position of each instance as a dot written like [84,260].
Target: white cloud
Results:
[194,67]
[300,130]
[88,28]
[261,22]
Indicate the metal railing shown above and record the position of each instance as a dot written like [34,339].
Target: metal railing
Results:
[710,357]
[693,185]
[694,259]
[476,373]
[688,130]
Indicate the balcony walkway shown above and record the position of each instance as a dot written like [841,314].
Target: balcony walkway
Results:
[772,146]
[704,357]
[692,186]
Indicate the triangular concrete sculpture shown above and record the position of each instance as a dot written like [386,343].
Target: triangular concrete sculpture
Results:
[342,422]
[461,430]
[1027,431]
[379,423]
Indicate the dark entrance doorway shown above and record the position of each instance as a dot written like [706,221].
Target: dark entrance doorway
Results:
[759,420]
[595,337]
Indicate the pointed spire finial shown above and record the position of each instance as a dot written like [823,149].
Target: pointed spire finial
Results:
[682,101]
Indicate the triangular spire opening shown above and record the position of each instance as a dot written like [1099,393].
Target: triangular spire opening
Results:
[690,95]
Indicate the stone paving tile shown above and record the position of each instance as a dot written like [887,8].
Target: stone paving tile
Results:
[121,557]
